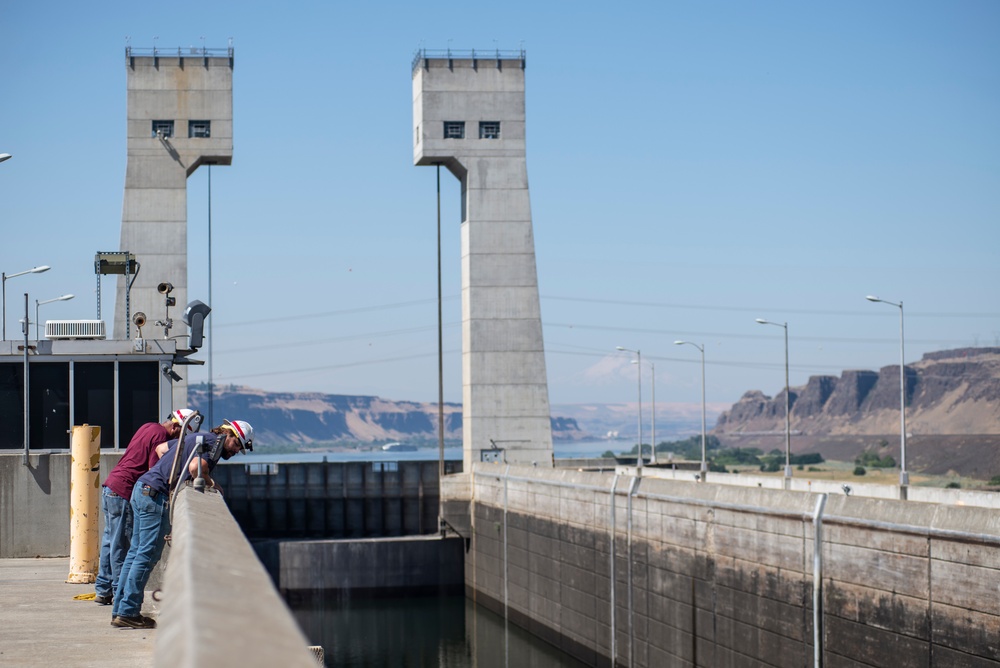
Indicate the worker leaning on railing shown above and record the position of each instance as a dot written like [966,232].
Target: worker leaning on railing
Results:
[151,511]
[140,455]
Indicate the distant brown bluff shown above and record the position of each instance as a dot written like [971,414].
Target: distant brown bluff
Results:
[952,414]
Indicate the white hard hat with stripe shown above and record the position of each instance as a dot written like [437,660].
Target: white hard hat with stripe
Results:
[242,430]
[182,414]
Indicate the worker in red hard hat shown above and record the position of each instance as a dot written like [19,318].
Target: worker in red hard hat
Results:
[140,455]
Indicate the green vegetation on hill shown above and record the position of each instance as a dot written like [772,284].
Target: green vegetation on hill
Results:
[871,459]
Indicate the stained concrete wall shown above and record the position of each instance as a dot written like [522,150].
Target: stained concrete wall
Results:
[412,564]
[672,573]
[308,500]
[34,503]
[505,398]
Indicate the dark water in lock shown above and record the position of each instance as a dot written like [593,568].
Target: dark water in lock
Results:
[426,631]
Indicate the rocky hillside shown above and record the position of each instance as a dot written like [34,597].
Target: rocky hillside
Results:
[948,392]
[304,418]
[952,413]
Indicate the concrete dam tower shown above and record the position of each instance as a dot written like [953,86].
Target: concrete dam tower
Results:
[469,116]
[180,116]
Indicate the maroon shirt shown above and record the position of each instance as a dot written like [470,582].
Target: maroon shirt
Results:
[140,455]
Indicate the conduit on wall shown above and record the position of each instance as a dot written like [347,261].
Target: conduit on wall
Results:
[611,577]
[818,581]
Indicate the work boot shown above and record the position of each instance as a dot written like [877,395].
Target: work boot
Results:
[137,622]
[104,600]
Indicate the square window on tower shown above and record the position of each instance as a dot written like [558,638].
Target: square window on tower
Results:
[454,129]
[489,129]
[164,129]
[200,129]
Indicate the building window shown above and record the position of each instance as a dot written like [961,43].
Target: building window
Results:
[200,129]
[489,129]
[163,129]
[454,129]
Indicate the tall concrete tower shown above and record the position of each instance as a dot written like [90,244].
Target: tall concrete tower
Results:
[180,116]
[468,115]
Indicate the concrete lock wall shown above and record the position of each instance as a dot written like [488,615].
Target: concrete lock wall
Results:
[718,575]
[310,500]
[411,564]
[35,503]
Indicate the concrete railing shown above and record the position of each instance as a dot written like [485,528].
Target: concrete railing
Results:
[219,606]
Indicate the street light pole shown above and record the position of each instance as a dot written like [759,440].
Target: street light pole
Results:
[652,439]
[27,394]
[904,476]
[440,351]
[5,276]
[704,462]
[47,301]
[788,431]
[638,370]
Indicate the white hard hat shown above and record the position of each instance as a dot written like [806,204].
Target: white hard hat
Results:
[242,430]
[182,414]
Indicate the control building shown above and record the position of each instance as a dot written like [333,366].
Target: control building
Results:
[469,116]
[180,116]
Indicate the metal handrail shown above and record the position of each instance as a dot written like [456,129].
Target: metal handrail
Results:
[467,54]
[181,52]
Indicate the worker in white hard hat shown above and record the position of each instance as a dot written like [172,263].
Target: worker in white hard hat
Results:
[152,516]
[242,430]
[140,455]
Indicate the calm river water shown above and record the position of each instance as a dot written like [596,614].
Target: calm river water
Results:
[563,450]
[429,631]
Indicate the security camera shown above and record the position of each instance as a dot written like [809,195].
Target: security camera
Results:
[165,288]
[139,319]
[194,317]
[170,373]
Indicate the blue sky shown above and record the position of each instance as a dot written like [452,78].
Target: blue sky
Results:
[693,166]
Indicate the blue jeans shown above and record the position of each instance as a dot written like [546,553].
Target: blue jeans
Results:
[151,523]
[114,541]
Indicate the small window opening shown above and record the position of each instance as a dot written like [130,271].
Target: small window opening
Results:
[454,129]
[489,129]
[163,129]
[200,129]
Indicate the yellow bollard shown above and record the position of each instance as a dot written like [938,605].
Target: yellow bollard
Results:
[85,504]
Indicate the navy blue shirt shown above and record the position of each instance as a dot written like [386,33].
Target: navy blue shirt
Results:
[158,476]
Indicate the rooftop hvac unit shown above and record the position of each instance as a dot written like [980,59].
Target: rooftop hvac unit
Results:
[75,329]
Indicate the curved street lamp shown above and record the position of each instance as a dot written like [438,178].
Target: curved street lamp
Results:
[904,477]
[47,301]
[701,349]
[638,370]
[788,431]
[34,270]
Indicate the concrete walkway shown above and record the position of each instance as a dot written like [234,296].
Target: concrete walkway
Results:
[41,624]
